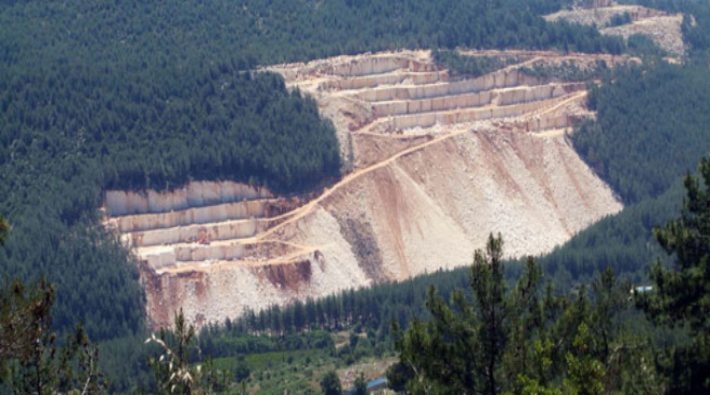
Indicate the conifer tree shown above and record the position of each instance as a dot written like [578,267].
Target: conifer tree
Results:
[681,294]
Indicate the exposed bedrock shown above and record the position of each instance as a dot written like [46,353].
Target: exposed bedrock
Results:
[209,295]
[432,208]
[194,194]
[546,123]
[501,79]
[198,215]
[461,116]
[500,97]
[394,78]
[173,257]
[376,65]
[192,233]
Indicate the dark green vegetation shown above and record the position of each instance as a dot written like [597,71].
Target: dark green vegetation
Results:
[623,242]
[32,359]
[619,19]
[526,340]
[566,71]
[470,66]
[681,294]
[651,128]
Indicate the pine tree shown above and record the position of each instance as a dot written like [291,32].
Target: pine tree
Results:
[680,294]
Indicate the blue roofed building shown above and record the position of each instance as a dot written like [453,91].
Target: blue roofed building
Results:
[374,385]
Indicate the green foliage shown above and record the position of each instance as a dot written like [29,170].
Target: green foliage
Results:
[361,385]
[523,341]
[330,384]
[440,353]
[619,19]
[650,128]
[695,27]
[32,361]
[623,242]
[241,373]
[24,315]
[585,372]
[680,294]
[470,66]
[174,373]
[566,71]
[643,46]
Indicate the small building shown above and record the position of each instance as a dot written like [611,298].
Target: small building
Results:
[642,289]
[372,386]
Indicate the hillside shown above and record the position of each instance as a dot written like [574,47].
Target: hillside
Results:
[437,164]
[134,95]
[309,168]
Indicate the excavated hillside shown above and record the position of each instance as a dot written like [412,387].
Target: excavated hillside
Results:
[433,165]
[663,28]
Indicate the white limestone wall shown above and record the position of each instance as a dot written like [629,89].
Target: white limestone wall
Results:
[161,260]
[367,66]
[197,215]
[427,77]
[507,97]
[501,79]
[542,92]
[194,194]
[198,252]
[547,123]
[187,234]
[467,115]
[372,81]
[193,253]
[385,109]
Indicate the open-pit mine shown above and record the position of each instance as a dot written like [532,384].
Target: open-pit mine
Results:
[433,164]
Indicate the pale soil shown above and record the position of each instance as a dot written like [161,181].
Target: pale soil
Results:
[662,28]
[415,199]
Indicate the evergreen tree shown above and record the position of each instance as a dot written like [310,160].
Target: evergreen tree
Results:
[330,384]
[680,294]
[361,385]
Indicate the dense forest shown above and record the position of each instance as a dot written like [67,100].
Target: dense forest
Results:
[650,128]
[103,94]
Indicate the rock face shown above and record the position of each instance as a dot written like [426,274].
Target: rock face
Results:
[435,166]
[194,194]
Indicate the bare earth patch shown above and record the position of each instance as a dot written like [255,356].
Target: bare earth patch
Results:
[664,29]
